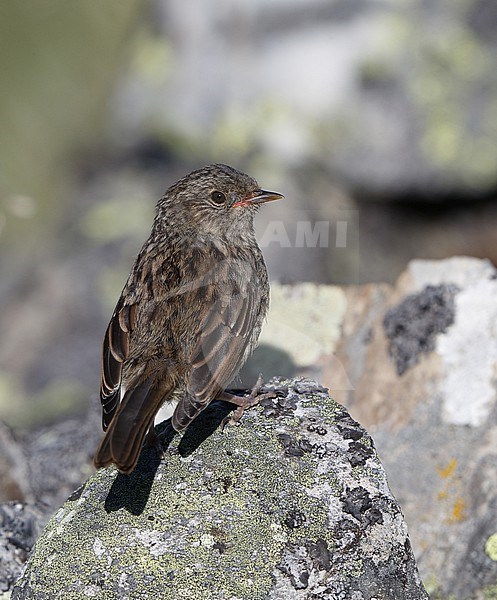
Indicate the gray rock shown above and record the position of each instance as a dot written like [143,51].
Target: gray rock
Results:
[434,419]
[20,525]
[60,457]
[294,503]
[412,326]
[392,98]
[14,470]
[38,471]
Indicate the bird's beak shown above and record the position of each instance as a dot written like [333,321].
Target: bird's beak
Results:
[259,197]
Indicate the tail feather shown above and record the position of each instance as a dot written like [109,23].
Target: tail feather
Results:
[123,440]
[187,409]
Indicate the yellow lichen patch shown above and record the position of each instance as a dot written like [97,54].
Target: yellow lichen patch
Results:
[451,493]
[304,321]
[491,547]
[458,511]
[447,471]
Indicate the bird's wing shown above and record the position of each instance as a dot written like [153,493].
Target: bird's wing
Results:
[134,415]
[126,417]
[227,332]
[114,352]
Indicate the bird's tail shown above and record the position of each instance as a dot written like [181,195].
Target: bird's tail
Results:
[187,409]
[123,439]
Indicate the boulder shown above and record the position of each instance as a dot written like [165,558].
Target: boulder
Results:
[420,360]
[293,503]
[14,470]
[398,101]
[415,363]
[20,525]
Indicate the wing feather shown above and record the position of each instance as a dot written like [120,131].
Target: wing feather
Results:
[114,352]
[134,416]
[228,330]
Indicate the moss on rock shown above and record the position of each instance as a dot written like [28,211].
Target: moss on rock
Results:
[291,504]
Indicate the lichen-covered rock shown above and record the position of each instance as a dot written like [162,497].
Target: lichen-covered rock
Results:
[421,360]
[293,503]
[412,104]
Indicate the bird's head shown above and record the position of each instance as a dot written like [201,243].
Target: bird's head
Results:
[216,200]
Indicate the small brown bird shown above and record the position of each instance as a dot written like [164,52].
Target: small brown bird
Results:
[190,313]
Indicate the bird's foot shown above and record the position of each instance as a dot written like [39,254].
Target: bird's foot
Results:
[243,403]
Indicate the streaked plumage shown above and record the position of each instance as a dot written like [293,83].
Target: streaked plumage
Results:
[190,313]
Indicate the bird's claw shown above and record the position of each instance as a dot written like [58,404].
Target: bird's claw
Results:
[243,403]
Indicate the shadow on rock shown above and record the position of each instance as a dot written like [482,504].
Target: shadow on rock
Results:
[132,491]
[204,426]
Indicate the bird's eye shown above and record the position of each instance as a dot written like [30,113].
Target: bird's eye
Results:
[218,197]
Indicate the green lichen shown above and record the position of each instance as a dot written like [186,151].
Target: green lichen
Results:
[240,569]
[315,313]
[447,77]
[490,593]
[213,521]
[491,547]
[446,70]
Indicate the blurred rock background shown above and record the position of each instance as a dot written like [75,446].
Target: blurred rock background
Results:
[378,119]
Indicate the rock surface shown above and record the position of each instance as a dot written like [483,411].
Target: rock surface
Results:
[390,97]
[416,363]
[421,363]
[47,464]
[14,471]
[20,525]
[294,503]
[433,424]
